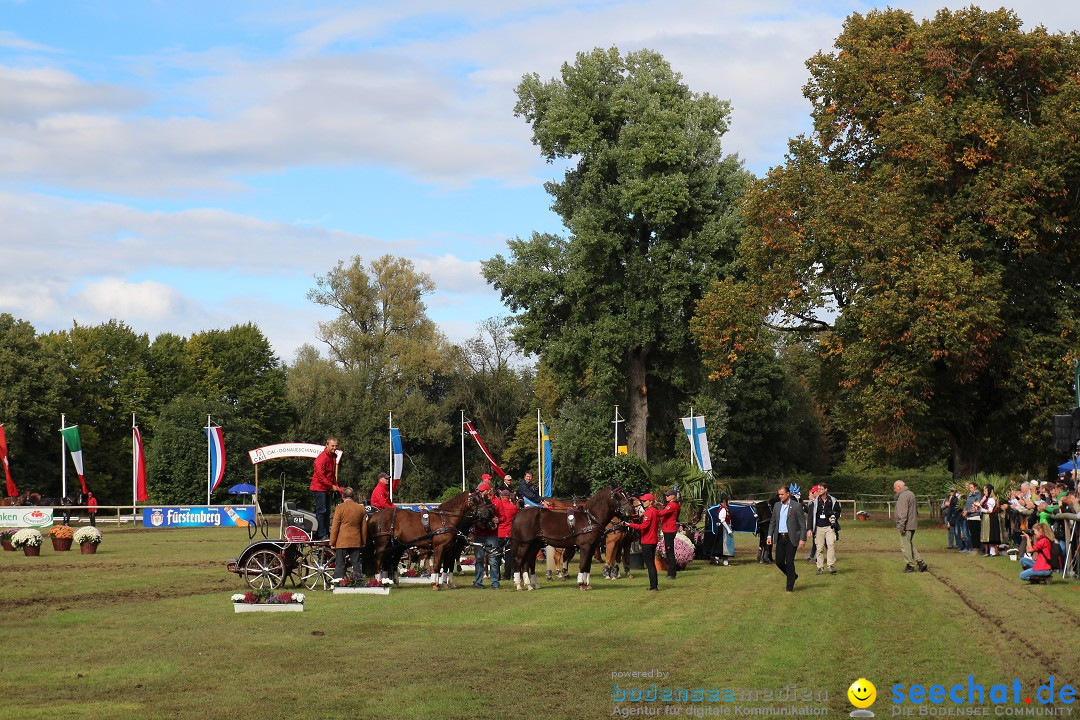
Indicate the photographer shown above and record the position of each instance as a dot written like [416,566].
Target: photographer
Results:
[1038,565]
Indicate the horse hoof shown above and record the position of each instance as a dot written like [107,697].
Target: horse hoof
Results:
[434,587]
[529,587]
[586,587]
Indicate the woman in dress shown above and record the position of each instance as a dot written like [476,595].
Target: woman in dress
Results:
[991,521]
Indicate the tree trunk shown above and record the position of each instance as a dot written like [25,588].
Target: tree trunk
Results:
[637,420]
[965,458]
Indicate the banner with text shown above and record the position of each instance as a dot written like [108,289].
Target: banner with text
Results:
[17,516]
[198,516]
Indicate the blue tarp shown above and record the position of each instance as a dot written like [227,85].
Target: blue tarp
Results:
[744,518]
[1068,466]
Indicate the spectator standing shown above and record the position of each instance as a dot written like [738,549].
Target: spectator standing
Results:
[324,482]
[972,518]
[948,516]
[824,521]
[486,540]
[724,545]
[346,535]
[907,522]
[990,532]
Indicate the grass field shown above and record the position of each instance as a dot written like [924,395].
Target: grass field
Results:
[145,629]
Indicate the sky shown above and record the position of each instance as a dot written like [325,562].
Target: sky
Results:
[185,166]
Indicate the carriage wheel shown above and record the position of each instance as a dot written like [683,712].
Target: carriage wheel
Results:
[264,569]
[317,568]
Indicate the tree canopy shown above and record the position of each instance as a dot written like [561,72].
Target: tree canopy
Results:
[649,202]
[926,235]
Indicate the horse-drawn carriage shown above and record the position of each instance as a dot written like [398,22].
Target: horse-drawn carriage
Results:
[268,563]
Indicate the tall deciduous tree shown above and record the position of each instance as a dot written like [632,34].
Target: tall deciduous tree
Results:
[649,203]
[927,232]
[389,357]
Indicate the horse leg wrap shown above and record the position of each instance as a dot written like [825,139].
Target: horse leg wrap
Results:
[517,581]
[533,584]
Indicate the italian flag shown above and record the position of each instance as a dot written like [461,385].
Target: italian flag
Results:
[74,445]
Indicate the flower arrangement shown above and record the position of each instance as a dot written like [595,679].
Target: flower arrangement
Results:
[268,597]
[684,550]
[411,572]
[27,537]
[61,532]
[88,534]
[5,534]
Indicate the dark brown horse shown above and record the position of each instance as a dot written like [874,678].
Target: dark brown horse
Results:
[534,526]
[392,530]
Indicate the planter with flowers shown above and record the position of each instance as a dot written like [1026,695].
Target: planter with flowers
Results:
[684,552]
[88,538]
[372,587]
[29,540]
[62,536]
[5,538]
[412,576]
[268,601]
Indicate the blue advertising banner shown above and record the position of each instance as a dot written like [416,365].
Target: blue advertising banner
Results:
[198,516]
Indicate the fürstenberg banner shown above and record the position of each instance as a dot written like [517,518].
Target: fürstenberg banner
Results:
[19,516]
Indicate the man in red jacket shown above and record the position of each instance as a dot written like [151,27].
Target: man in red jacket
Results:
[669,525]
[324,482]
[648,526]
[380,496]
[505,510]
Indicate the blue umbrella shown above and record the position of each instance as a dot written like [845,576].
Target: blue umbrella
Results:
[243,489]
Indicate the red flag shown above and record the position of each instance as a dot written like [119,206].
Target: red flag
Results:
[476,436]
[12,491]
[140,465]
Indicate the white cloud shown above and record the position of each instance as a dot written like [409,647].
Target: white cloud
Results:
[132,301]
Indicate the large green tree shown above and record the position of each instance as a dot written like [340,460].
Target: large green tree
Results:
[926,233]
[649,202]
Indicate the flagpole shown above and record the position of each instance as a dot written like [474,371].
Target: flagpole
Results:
[693,440]
[390,436]
[209,471]
[134,470]
[462,451]
[63,457]
[539,454]
[616,423]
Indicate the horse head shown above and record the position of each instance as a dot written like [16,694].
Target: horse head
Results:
[622,503]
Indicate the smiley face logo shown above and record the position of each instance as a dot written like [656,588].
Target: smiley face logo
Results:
[862,693]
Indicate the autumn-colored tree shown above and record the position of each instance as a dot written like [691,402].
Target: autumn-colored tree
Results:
[927,233]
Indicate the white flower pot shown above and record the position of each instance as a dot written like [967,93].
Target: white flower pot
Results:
[361,591]
[255,607]
[402,580]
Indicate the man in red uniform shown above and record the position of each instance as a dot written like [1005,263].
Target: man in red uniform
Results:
[505,510]
[324,482]
[380,496]
[669,525]
[91,507]
[648,526]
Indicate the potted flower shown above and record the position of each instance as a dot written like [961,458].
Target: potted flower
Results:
[88,538]
[684,553]
[29,540]
[5,538]
[62,536]
[268,601]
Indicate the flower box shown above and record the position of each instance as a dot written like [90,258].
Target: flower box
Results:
[263,607]
[31,550]
[61,544]
[88,548]
[362,590]
[418,580]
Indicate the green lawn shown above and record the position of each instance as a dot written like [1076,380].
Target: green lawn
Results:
[145,629]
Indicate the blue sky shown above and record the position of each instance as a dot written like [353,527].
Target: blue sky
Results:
[186,166]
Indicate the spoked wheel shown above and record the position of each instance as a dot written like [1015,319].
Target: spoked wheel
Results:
[317,568]
[264,570]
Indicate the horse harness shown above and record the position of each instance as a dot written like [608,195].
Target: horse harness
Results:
[425,522]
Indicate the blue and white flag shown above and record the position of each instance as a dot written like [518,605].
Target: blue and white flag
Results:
[699,444]
[546,471]
[399,456]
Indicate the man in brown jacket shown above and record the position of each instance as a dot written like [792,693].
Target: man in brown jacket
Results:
[347,534]
[907,521]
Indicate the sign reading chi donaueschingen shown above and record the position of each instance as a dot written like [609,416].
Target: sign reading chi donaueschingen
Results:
[21,517]
[287,450]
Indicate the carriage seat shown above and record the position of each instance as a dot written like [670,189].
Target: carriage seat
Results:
[302,519]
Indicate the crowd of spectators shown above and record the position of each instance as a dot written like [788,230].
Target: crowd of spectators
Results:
[1028,521]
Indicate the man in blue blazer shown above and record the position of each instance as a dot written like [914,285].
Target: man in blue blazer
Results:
[787,534]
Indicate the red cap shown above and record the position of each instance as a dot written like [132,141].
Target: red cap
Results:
[483,486]
[646,496]
[485,476]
